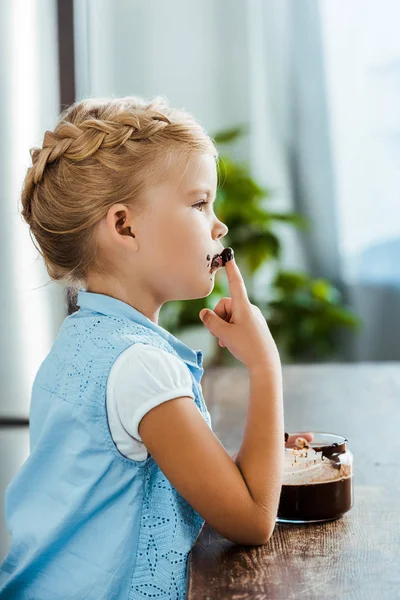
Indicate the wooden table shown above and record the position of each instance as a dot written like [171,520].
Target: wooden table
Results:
[356,557]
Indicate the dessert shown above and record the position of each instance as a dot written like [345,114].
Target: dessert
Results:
[317,481]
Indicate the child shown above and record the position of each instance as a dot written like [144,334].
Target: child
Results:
[124,467]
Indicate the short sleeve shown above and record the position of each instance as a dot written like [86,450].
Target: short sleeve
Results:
[143,377]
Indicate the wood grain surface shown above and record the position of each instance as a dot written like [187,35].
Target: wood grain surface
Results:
[356,557]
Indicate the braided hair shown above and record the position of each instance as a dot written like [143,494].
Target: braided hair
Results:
[102,151]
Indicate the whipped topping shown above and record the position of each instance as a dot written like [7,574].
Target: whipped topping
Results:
[303,465]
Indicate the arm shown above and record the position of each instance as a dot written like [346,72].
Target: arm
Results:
[238,500]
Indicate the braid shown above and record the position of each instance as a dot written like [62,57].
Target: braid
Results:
[80,142]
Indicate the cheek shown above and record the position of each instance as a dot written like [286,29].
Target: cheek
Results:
[163,246]
[184,229]
[157,232]
[178,241]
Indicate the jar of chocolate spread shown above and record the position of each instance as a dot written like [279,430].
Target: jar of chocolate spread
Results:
[318,478]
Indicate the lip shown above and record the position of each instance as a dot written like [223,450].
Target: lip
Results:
[216,262]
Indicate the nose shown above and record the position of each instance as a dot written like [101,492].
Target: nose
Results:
[220,230]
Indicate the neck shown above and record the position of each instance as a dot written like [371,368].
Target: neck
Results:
[143,301]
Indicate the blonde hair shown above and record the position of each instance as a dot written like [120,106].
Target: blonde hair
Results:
[101,152]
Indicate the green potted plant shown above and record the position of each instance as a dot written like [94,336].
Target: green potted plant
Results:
[304,315]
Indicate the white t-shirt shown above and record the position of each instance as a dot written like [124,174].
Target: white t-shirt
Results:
[141,378]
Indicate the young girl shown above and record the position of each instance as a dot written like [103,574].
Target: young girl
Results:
[124,467]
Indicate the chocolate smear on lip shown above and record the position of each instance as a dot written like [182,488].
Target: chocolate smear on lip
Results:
[214,262]
[225,256]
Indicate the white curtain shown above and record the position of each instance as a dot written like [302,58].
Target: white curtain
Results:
[31,308]
[346,58]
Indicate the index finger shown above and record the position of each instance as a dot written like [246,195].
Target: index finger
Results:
[236,283]
[292,438]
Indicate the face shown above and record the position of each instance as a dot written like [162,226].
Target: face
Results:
[165,252]
[179,233]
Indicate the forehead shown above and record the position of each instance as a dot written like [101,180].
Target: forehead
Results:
[200,173]
[179,179]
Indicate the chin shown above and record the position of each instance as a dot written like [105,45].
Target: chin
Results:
[209,286]
[202,290]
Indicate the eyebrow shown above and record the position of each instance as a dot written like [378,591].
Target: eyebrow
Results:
[204,190]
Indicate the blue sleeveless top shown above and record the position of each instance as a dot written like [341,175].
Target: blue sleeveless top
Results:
[87,522]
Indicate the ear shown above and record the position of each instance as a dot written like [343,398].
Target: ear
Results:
[119,218]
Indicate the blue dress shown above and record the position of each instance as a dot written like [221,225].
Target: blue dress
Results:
[86,522]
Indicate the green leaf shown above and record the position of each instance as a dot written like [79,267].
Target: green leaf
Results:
[242,214]
[289,281]
[343,316]
[260,247]
[254,246]
[295,219]
[324,291]
[236,179]
[229,135]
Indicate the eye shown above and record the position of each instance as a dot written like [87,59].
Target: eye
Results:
[200,204]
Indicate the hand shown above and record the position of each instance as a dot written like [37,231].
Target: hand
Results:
[239,325]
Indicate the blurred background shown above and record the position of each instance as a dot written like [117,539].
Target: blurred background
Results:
[302,98]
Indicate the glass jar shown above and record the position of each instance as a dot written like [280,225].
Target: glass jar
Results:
[318,478]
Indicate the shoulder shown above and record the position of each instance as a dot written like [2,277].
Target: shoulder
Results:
[142,377]
[140,358]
